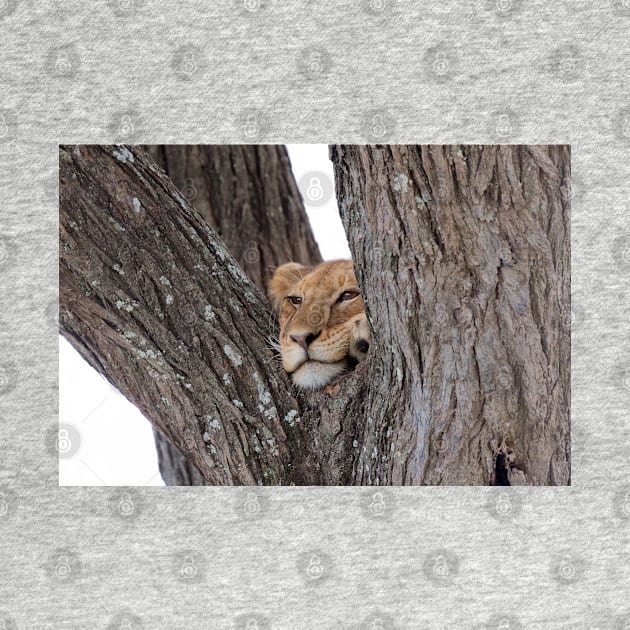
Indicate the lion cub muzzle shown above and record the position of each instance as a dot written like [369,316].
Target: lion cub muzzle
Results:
[323,328]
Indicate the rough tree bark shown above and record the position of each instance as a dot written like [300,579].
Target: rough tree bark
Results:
[248,195]
[152,299]
[463,257]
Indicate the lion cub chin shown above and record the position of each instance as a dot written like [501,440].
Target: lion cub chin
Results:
[323,328]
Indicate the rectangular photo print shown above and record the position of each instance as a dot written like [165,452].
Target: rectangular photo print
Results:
[314,315]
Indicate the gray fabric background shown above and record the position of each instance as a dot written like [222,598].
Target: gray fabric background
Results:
[264,71]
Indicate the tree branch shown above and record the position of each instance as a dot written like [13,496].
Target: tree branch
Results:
[248,196]
[152,299]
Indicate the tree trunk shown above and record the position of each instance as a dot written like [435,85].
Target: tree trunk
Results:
[248,194]
[463,253]
[152,299]
[175,468]
[463,258]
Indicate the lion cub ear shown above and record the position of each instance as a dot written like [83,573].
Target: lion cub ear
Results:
[285,277]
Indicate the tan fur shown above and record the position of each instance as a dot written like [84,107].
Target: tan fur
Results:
[341,328]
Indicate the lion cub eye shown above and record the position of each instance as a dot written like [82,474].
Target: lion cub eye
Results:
[347,295]
[295,300]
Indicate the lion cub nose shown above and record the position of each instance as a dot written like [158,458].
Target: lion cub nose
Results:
[363,345]
[305,340]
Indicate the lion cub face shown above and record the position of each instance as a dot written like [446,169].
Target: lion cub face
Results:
[323,327]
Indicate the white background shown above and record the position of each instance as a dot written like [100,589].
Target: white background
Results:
[117,446]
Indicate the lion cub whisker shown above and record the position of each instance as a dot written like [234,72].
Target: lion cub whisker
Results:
[324,331]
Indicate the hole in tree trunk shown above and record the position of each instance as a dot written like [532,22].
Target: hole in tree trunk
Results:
[501,471]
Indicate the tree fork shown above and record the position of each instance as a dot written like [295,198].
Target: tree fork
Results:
[462,254]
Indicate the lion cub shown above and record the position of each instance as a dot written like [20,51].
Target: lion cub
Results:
[323,327]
